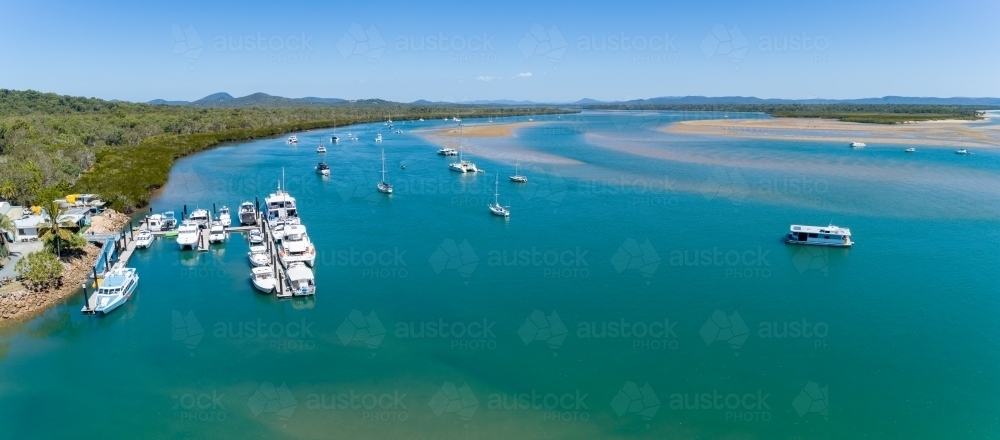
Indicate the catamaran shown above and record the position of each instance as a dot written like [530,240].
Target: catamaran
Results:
[116,289]
[187,235]
[321,149]
[383,186]
[495,207]
[248,214]
[463,166]
[819,235]
[296,247]
[517,177]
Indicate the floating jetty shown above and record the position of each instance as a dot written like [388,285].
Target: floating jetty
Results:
[118,248]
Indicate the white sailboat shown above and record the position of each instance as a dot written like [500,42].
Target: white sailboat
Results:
[517,177]
[463,166]
[383,186]
[495,207]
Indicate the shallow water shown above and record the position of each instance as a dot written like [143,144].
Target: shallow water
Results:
[647,229]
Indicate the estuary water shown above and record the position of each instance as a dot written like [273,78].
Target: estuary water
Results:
[640,288]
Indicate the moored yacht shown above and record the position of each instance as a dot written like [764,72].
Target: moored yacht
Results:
[281,208]
[462,166]
[293,140]
[117,287]
[262,278]
[169,220]
[858,145]
[187,235]
[155,222]
[383,186]
[144,239]
[321,149]
[448,152]
[962,151]
[301,280]
[259,256]
[217,233]
[201,217]
[248,214]
[256,237]
[224,217]
[334,139]
[378,138]
[819,235]
[910,150]
[296,247]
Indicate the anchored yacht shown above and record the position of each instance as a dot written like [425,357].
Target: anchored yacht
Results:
[321,149]
[448,152]
[495,207]
[281,208]
[858,145]
[819,235]
[323,169]
[383,186]
[293,140]
[517,177]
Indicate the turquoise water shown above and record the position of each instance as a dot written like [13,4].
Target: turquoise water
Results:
[621,225]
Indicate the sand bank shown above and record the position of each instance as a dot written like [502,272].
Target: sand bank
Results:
[932,133]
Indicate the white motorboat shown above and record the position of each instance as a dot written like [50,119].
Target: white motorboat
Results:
[144,239]
[517,177]
[281,207]
[495,207]
[399,131]
[383,186]
[296,247]
[169,221]
[301,280]
[858,145]
[248,214]
[323,169]
[118,285]
[819,235]
[278,232]
[217,233]
[378,138]
[224,217]
[334,139]
[421,119]
[962,151]
[187,235]
[256,237]
[155,222]
[910,150]
[293,140]
[321,149]
[201,217]
[448,152]
[263,279]
[259,256]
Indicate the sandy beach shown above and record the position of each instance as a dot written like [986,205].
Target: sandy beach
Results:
[932,133]
[477,131]
[494,141]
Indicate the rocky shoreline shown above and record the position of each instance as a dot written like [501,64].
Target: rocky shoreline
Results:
[17,303]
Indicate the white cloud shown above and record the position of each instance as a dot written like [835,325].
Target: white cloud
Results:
[486,78]
[524,75]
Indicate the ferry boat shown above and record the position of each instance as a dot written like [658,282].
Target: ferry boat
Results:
[819,235]
[248,214]
[263,279]
[117,287]
[858,145]
[187,235]
[224,217]
[293,140]
[144,239]
[296,247]
[201,217]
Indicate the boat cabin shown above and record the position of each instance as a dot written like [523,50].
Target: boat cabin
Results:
[819,235]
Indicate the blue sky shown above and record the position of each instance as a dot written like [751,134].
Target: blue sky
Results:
[541,51]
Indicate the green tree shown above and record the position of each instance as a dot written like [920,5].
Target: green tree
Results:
[6,225]
[39,268]
[53,229]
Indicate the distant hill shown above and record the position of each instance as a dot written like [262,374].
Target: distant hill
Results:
[263,100]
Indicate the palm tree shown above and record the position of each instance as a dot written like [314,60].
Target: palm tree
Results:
[6,225]
[52,228]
